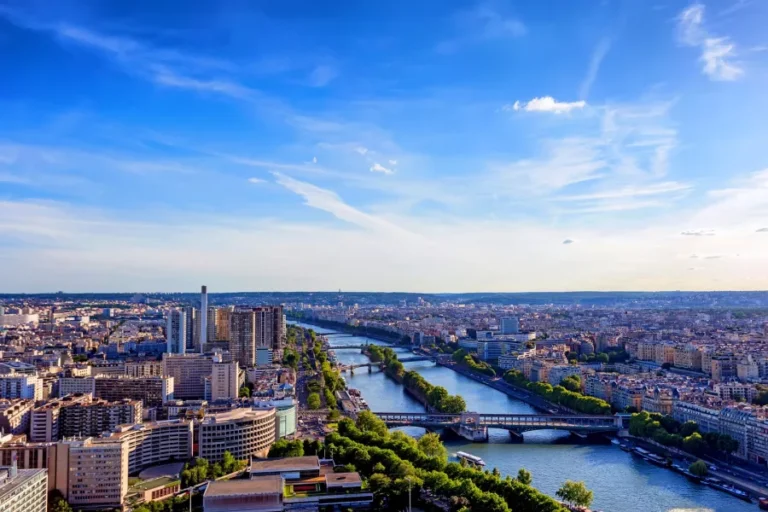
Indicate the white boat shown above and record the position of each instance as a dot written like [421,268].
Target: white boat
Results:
[472,459]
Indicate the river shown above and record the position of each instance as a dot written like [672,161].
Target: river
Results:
[621,481]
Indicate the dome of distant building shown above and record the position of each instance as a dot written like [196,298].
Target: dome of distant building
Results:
[587,348]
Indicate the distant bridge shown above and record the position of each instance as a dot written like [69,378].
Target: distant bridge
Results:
[416,358]
[473,425]
[338,334]
[343,347]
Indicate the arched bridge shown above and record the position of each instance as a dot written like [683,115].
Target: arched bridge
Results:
[518,423]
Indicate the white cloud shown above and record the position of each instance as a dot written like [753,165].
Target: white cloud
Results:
[479,24]
[256,181]
[330,202]
[314,159]
[322,76]
[362,150]
[377,167]
[546,104]
[717,53]
[393,162]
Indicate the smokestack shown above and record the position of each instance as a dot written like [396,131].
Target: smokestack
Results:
[203,317]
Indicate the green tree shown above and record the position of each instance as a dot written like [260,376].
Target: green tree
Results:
[245,392]
[57,503]
[524,476]
[602,357]
[313,401]
[694,443]
[369,422]
[699,468]
[453,404]
[575,493]
[431,445]
[688,428]
[286,448]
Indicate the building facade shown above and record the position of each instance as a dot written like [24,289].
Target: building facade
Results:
[189,372]
[242,432]
[176,332]
[98,473]
[23,490]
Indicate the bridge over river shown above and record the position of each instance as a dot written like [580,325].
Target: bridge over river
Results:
[474,426]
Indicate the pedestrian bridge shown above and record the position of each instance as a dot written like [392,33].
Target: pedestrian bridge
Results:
[517,423]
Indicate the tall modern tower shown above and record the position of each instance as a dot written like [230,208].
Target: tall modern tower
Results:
[176,332]
[203,317]
[191,327]
[242,337]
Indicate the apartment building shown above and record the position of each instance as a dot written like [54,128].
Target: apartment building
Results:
[723,367]
[735,391]
[98,473]
[16,385]
[558,372]
[664,353]
[225,380]
[189,372]
[688,357]
[79,416]
[627,395]
[242,337]
[15,416]
[270,327]
[242,432]
[53,457]
[76,386]
[144,369]
[155,442]
[657,400]
[153,391]
[23,490]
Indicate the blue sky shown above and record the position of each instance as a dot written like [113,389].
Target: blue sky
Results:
[415,146]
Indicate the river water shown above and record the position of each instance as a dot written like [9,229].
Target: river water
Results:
[621,482]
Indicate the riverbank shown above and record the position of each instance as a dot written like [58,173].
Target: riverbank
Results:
[347,329]
[527,397]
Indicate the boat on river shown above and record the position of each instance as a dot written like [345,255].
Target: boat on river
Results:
[472,459]
[718,484]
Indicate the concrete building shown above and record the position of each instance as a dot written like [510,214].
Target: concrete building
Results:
[263,356]
[285,416]
[270,327]
[189,372]
[76,386]
[151,391]
[192,327]
[509,325]
[13,385]
[155,442]
[176,332]
[53,457]
[747,369]
[242,337]
[223,319]
[15,320]
[491,350]
[98,473]
[80,417]
[144,369]
[23,490]
[664,353]
[15,416]
[688,357]
[295,483]
[45,421]
[723,367]
[558,372]
[203,317]
[225,380]
[242,432]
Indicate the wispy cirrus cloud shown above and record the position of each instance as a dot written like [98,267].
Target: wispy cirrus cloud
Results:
[599,53]
[545,104]
[481,23]
[328,201]
[718,54]
[168,67]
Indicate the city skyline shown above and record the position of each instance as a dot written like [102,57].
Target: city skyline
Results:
[443,147]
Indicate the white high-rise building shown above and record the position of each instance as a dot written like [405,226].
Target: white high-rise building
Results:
[225,380]
[24,490]
[176,332]
[510,325]
[203,316]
